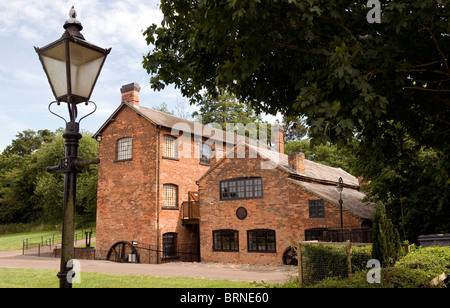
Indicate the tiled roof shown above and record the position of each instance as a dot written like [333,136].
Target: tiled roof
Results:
[351,198]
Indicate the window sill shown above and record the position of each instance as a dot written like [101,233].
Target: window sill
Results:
[261,251]
[123,160]
[171,158]
[170,208]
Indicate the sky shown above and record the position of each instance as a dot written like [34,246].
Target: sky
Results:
[118,24]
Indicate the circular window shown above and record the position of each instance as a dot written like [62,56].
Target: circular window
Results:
[241,213]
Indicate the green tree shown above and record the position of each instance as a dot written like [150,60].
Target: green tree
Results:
[232,115]
[28,193]
[344,157]
[18,172]
[386,246]
[28,141]
[294,128]
[49,191]
[17,178]
[163,108]
[320,59]
[412,183]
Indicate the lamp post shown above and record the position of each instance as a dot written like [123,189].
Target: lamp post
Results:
[72,66]
[340,188]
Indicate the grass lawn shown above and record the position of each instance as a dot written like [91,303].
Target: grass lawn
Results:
[15,241]
[30,278]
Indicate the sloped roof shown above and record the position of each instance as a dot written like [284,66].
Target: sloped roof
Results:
[319,179]
[313,170]
[351,198]
[159,118]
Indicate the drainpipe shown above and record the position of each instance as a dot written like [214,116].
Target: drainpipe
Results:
[158,194]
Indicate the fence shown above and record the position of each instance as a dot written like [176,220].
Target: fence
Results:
[320,260]
[44,246]
[357,235]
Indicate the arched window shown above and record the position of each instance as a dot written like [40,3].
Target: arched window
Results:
[124,149]
[170,196]
[170,245]
[261,240]
[225,240]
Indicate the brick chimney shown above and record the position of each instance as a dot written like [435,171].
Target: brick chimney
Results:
[130,93]
[279,139]
[296,161]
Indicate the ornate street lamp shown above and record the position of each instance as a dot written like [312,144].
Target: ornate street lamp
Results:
[72,66]
[340,188]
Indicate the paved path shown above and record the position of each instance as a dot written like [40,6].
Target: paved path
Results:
[271,274]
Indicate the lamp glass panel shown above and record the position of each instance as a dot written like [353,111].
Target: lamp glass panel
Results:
[85,65]
[54,61]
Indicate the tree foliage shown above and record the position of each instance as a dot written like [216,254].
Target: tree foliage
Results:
[327,154]
[318,58]
[232,115]
[386,246]
[28,193]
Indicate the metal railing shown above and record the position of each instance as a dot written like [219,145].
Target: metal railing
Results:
[354,235]
[45,244]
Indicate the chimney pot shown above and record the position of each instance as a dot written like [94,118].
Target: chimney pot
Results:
[296,161]
[130,93]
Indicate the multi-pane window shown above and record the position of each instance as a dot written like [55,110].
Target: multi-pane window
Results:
[170,196]
[124,147]
[225,240]
[316,208]
[170,245]
[244,188]
[262,240]
[205,153]
[170,146]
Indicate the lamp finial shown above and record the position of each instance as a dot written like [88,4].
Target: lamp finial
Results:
[73,25]
[73,13]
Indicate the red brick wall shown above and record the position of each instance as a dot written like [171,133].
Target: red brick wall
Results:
[284,208]
[126,189]
[182,172]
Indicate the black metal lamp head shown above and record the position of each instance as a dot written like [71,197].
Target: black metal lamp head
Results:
[72,64]
[340,185]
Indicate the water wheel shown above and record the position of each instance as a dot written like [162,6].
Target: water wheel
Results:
[290,256]
[121,251]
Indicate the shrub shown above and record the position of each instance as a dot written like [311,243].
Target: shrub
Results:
[360,256]
[386,246]
[415,270]
[321,261]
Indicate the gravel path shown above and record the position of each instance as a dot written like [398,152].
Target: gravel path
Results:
[271,274]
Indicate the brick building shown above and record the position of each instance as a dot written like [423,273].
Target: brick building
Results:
[148,204]
[254,208]
[149,163]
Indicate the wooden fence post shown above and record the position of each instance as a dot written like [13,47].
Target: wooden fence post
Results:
[348,248]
